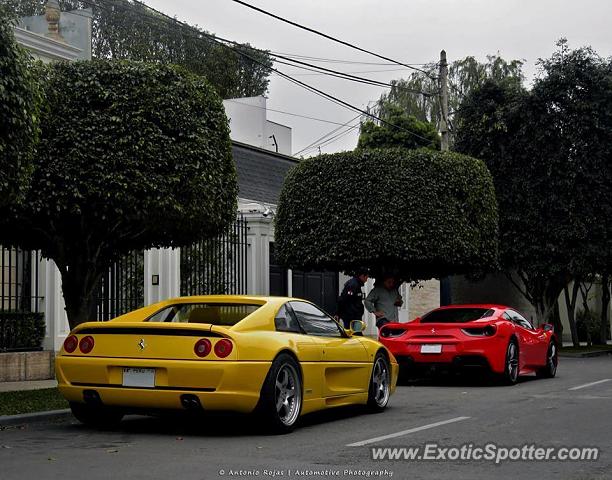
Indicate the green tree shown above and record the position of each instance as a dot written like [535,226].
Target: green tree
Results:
[399,130]
[547,152]
[132,156]
[464,76]
[19,108]
[126,29]
[420,213]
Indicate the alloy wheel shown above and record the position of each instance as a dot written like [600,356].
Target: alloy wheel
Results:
[512,361]
[381,382]
[287,394]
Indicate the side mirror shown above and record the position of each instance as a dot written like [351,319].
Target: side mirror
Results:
[547,327]
[357,326]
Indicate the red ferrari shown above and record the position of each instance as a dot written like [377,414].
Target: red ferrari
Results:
[491,336]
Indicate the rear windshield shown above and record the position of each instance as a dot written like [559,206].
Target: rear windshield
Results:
[456,315]
[211,313]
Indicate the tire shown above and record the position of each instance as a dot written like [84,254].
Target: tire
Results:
[96,416]
[379,389]
[511,364]
[281,399]
[552,360]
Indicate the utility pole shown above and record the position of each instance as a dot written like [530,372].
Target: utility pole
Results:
[444,101]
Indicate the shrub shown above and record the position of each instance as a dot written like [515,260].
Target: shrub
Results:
[421,213]
[21,331]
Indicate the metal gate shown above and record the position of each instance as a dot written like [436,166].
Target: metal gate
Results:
[121,290]
[19,291]
[217,265]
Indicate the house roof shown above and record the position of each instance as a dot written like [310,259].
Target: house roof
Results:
[260,172]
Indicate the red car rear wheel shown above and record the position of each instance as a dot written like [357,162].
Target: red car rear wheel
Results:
[511,369]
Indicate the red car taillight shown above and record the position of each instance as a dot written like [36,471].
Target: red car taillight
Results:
[202,347]
[389,332]
[223,348]
[487,331]
[86,344]
[70,344]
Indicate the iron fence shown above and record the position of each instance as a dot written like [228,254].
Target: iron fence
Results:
[121,290]
[217,265]
[19,280]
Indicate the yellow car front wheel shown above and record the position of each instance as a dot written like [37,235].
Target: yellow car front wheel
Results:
[380,384]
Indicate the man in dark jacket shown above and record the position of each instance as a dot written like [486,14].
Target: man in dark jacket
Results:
[350,302]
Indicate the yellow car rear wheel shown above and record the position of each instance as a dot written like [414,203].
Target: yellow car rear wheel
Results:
[280,404]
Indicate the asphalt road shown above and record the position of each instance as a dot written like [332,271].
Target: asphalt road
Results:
[561,412]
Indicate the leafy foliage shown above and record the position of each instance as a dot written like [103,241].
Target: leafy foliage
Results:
[19,106]
[131,156]
[21,330]
[550,160]
[421,213]
[125,29]
[397,132]
[464,76]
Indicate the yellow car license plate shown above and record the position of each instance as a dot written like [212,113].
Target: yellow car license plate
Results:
[139,377]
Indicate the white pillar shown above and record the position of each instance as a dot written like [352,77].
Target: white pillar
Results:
[259,236]
[52,305]
[162,274]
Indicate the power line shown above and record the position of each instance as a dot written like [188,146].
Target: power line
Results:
[320,139]
[300,64]
[329,37]
[204,35]
[347,76]
[331,140]
[348,62]
[352,71]
[308,87]
[286,113]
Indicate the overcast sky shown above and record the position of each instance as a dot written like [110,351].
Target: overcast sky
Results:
[411,31]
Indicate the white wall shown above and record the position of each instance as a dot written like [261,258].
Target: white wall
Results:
[249,124]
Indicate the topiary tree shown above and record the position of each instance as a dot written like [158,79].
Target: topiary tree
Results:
[19,105]
[421,213]
[132,156]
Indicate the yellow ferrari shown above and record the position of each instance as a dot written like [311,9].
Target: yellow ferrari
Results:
[278,357]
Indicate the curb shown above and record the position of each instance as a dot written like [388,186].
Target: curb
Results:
[594,353]
[33,417]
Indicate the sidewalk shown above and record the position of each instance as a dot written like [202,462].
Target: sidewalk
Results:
[29,385]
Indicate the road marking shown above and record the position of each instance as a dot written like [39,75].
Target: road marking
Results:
[406,432]
[590,384]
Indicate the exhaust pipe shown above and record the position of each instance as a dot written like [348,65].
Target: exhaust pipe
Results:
[91,397]
[190,402]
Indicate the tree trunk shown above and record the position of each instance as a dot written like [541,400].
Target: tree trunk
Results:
[605,303]
[570,303]
[79,282]
[584,291]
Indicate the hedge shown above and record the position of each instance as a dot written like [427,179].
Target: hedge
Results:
[19,109]
[21,331]
[420,213]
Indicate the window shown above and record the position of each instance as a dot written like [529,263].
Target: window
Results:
[315,321]
[226,314]
[519,320]
[285,320]
[456,315]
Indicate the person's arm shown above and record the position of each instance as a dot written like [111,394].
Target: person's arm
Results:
[370,303]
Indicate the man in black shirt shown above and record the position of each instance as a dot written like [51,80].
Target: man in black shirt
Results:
[350,302]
